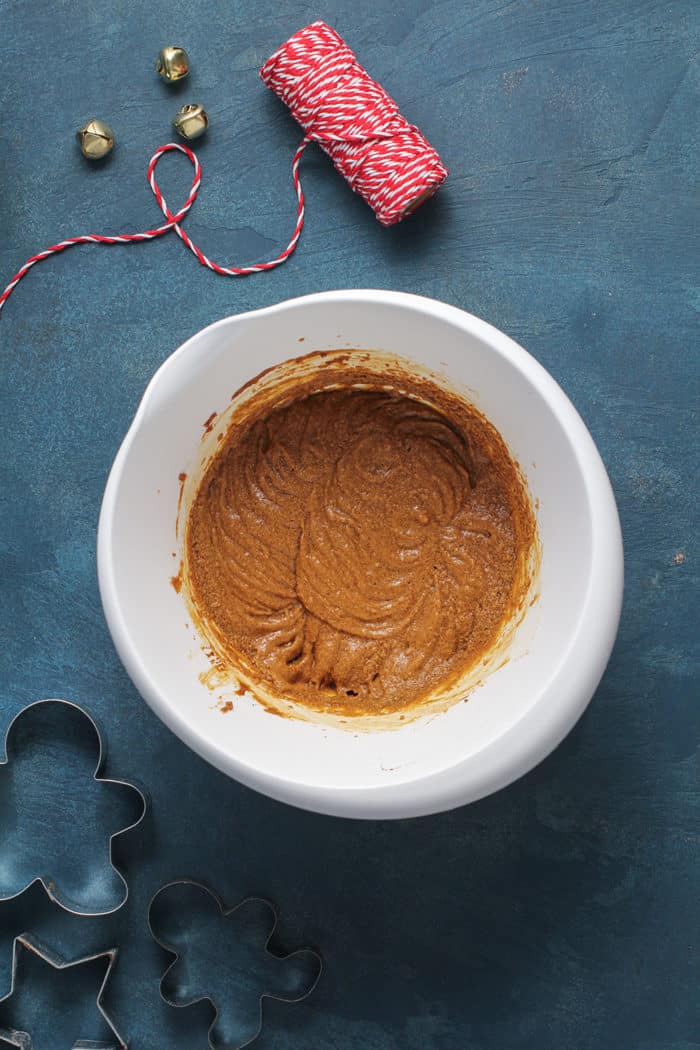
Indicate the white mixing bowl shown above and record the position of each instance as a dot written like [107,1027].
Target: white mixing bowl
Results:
[556,657]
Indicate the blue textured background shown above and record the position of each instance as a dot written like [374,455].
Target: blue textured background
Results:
[563,912]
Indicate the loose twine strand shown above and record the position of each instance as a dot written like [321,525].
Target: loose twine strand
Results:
[386,160]
[173,223]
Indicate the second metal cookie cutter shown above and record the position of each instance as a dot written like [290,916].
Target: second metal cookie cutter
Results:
[222,952]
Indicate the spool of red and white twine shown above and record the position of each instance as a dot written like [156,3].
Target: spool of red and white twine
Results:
[383,157]
[386,160]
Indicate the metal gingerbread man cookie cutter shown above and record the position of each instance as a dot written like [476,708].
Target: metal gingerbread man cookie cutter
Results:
[84,727]
[262,916]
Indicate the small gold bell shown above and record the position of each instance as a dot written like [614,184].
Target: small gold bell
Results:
[96,139]
[191,121]
[173,64]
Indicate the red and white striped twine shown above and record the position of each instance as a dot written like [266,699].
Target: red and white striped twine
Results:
[172,223]
[385,159]
[338,104]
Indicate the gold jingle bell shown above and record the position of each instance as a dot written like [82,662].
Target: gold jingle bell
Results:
[96,139]
[173,64]
[191,121]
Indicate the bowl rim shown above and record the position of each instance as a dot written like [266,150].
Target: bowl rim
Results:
[540,729]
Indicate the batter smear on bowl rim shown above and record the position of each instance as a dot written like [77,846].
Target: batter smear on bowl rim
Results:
[356,548]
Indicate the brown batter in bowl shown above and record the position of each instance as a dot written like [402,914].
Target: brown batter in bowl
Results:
[357,542]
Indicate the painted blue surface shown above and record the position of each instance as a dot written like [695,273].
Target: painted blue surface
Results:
[563,912]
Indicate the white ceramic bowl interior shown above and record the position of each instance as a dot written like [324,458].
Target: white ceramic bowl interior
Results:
[558,653]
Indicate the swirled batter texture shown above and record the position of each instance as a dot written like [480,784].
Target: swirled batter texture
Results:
[355,549]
